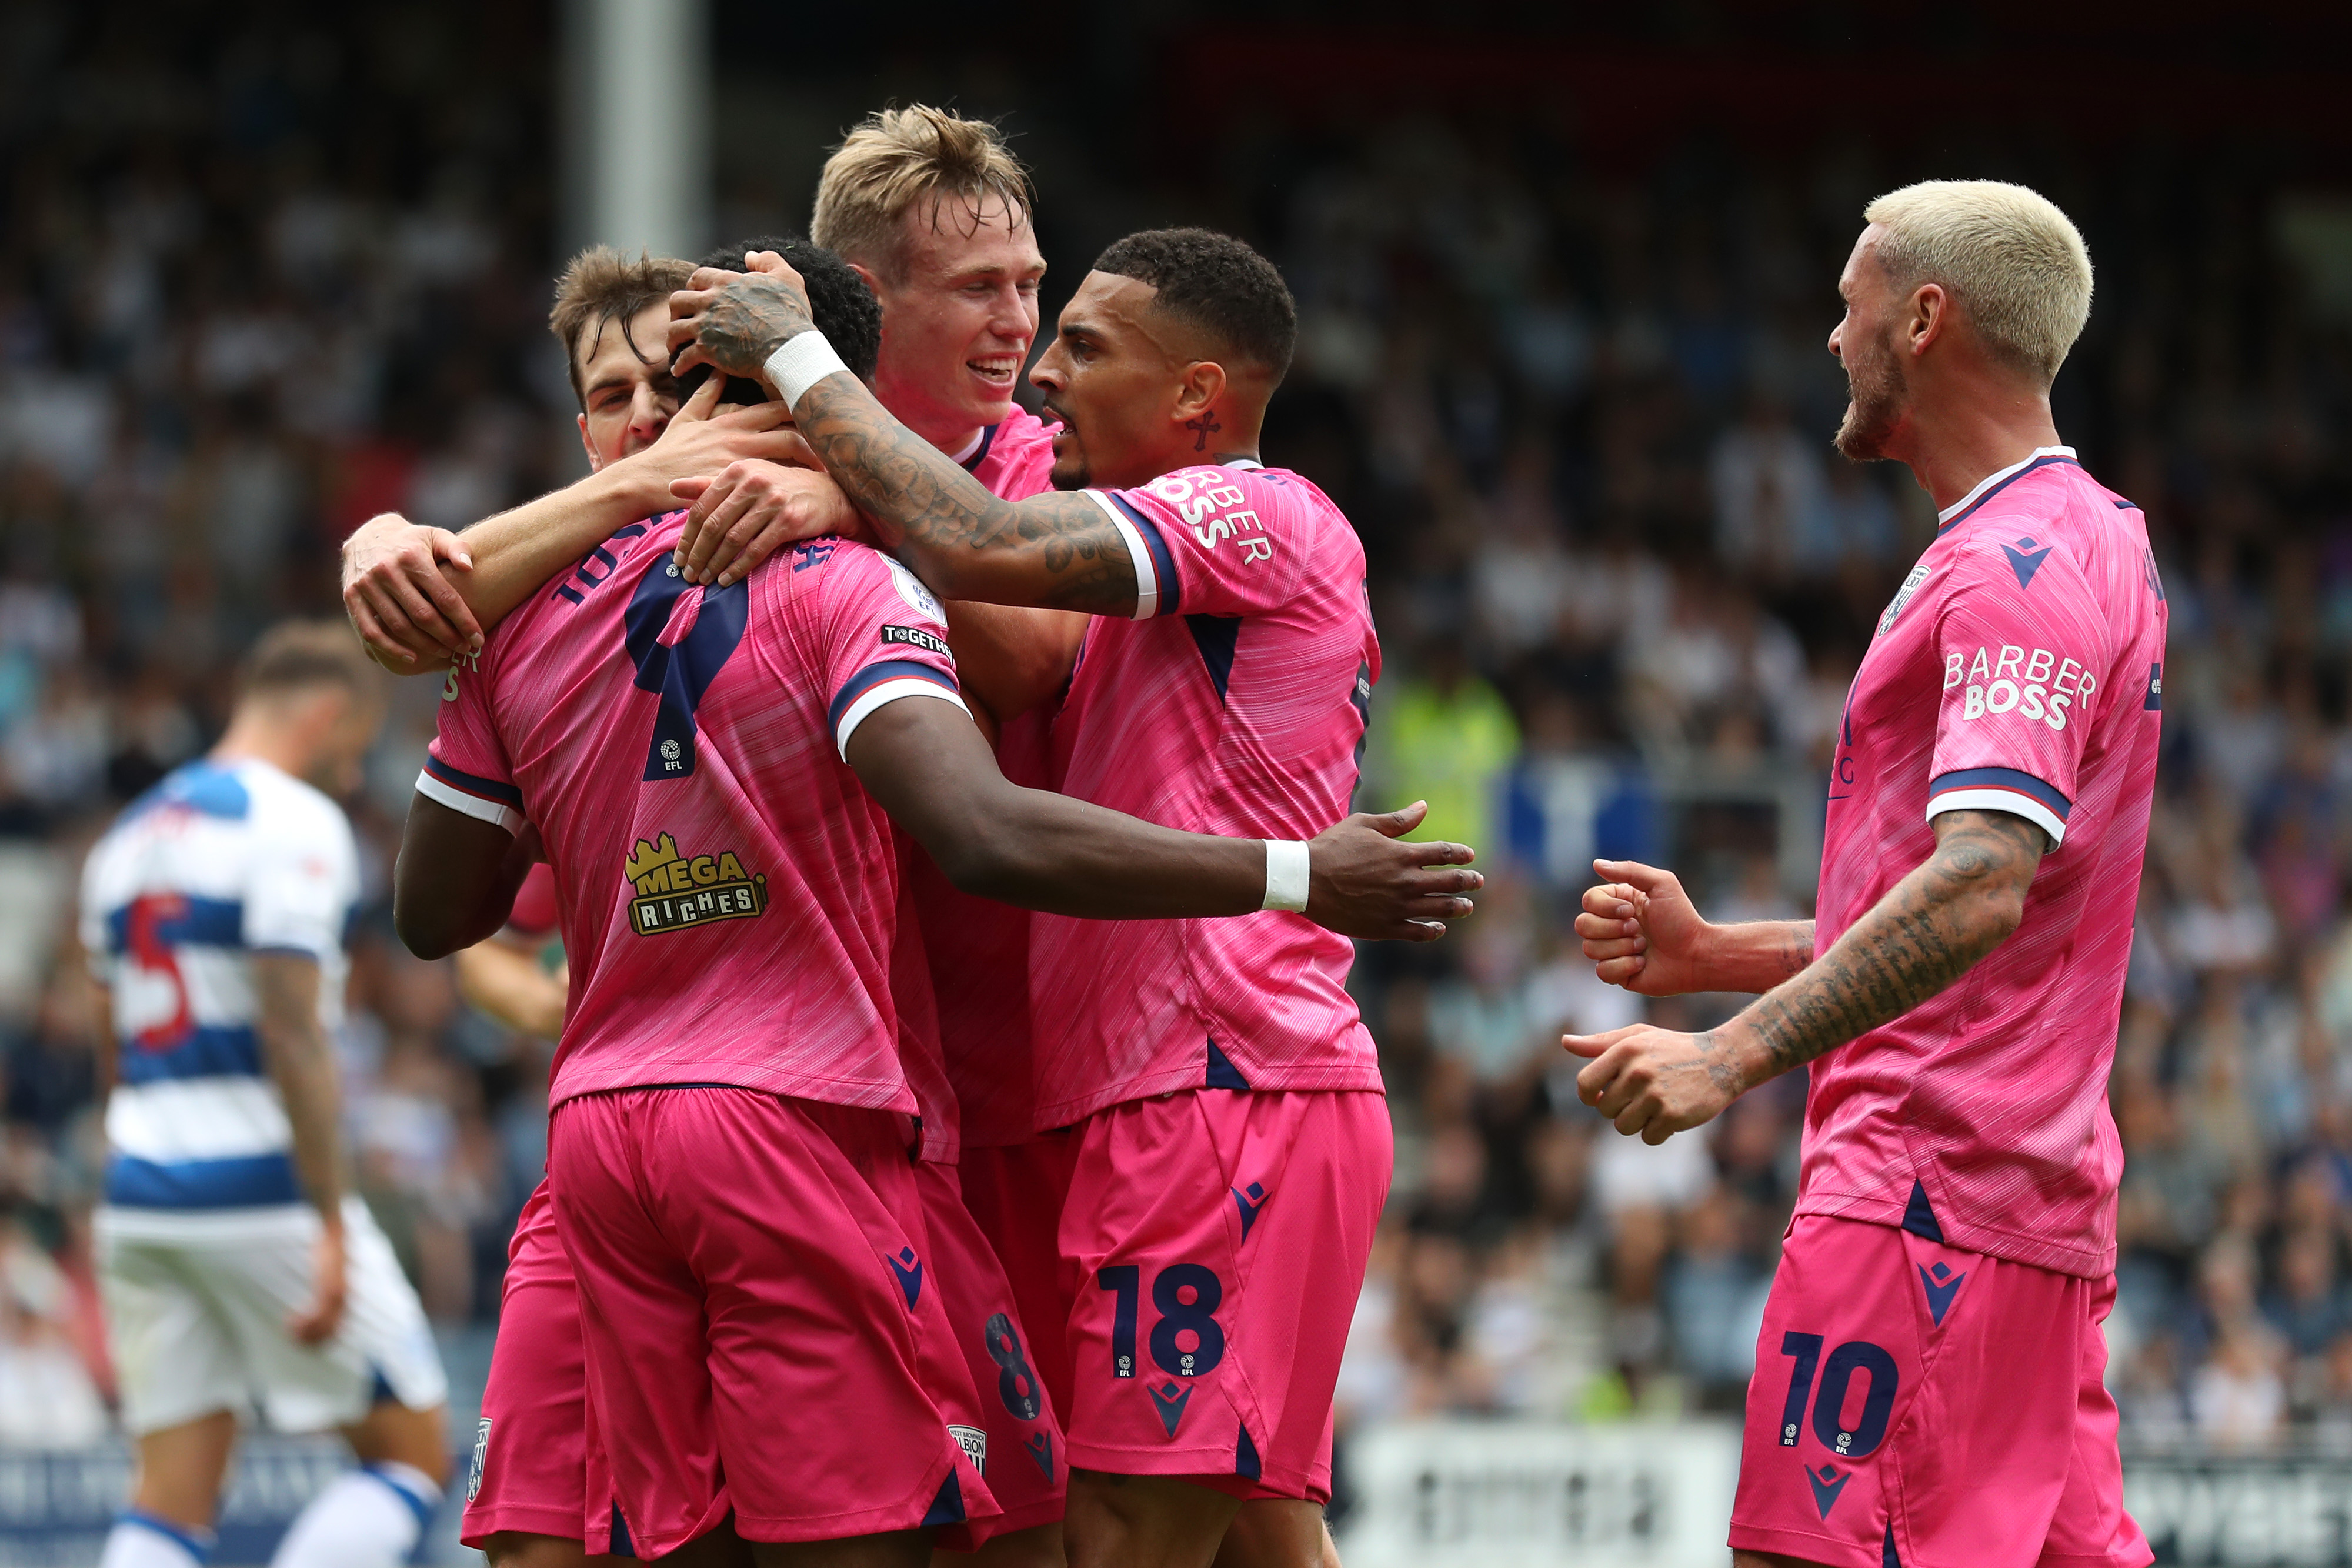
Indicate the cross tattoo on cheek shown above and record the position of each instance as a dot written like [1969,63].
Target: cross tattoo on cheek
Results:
[1200,428]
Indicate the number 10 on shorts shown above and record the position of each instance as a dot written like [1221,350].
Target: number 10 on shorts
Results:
[1188,1340]
[1836,1378]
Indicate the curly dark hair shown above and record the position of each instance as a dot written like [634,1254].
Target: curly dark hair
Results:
[1216,283]
[843,308]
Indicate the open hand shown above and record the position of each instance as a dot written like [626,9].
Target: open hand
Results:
[750,510]
[1656,1082]
[398,595]
[736,319]
[1364,880]
[1642,931]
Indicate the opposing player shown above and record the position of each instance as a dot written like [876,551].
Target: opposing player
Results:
[727,1165]
[1234,1070]
[237,1271]
[1928,1385]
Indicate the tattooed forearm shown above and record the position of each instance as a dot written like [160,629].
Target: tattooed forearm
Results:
[1058,551]
[750,318]
[1928,930]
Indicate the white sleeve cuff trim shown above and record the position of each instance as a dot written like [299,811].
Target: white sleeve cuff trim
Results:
[1146,582]
[890,691]
[471,806]
[2013,802]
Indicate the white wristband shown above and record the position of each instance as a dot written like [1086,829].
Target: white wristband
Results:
[802,361]
[1286,875]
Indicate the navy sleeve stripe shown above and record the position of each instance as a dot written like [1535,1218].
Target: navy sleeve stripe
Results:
[874,674]
[2003,778]
[458,778]
[1164,565]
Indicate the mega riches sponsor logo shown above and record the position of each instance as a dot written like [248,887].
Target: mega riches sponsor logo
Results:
[676,891]
[2033,683]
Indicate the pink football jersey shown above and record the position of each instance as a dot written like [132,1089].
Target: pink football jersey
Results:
[2019,670]
[977,948]
[729,893]
[1014,457]
[1232,703]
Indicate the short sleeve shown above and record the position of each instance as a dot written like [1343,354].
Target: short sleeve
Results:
[466,768]
[1212,541]
[885,637]
[301,883]
[2024,647]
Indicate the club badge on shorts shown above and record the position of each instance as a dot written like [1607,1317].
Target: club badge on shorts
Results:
[481,1457]
[974,1443]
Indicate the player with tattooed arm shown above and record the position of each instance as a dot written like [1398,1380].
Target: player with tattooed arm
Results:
[1220,686]
[708,770]
[1928,1383]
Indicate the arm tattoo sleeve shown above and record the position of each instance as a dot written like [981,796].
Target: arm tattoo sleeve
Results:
[1058,551]
[1928,930]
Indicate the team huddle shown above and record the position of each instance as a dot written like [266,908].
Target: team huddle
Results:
[962,1137]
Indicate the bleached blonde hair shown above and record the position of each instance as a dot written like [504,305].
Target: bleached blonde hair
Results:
[2015,263]
[898,157]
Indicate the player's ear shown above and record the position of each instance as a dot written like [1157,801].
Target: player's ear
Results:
[586,444]
[1198,388]
[1931,311]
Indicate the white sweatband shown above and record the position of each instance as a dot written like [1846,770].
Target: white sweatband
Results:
[1286,875]
[805,360]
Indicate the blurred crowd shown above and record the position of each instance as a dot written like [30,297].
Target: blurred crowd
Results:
[255,287]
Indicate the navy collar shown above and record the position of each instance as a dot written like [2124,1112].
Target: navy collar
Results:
[981,444]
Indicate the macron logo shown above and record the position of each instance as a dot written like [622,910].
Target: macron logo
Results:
[1171,1401]
[1941,1286]
[909,1273]
[2025,559]
[1825,1489]
[1249,1205]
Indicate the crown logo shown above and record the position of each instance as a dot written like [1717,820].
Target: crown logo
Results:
[650,857]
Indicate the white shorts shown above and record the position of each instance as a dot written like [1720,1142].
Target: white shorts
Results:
[196,1306]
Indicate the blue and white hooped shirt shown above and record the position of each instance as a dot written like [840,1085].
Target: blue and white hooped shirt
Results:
[218,862]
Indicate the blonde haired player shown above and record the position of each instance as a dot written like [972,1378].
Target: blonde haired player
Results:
[1928,1382]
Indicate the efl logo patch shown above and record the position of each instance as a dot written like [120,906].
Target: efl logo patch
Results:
[674,891]
[915,637]
[481,1457]
[974,1443]
[918,598]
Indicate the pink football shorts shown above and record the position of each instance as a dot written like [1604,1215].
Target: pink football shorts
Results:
[1219,1238]
[529,1449]
[1917,1405]
[760,1316]
[1020,1443]
[1014,1193]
